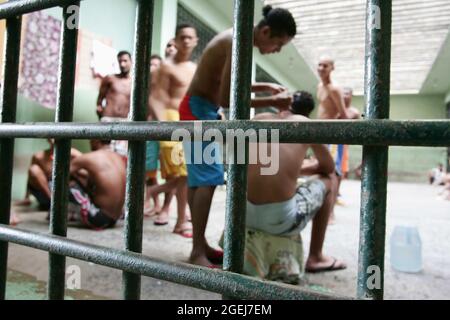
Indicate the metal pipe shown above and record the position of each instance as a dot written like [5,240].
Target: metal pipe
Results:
[240,96]
[20,7]
[8,114]
[218,281]
[136,154]
[375,159]
[371,132]
[61,164]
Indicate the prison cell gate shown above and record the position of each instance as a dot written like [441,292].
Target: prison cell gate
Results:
[376,134]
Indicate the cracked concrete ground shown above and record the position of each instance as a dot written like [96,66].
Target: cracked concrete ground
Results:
[408,204]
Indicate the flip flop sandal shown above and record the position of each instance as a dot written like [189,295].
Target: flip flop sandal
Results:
[330,268]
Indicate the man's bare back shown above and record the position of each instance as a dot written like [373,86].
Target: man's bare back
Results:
[106,180]
[283,184]
[116,92]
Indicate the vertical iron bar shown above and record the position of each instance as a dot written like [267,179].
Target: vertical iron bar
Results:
[61,165]
[8,109]
[240,97]
[136,153]
[447,165]
[375,159]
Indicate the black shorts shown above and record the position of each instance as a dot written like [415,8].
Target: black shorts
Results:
[83,210]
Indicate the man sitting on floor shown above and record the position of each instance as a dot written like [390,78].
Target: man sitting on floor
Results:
[97,188]
[278,206]
[40,177]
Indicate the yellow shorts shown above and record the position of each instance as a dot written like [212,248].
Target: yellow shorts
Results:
[171,115]
[172,161]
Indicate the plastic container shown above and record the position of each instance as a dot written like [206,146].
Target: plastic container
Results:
[406,249]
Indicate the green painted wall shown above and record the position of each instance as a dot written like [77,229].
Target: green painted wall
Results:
[116,23]
[409,164]
[109,18]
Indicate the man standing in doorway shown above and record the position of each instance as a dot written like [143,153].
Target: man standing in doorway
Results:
[113,102]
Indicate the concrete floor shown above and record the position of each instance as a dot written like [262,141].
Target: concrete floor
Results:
[408,204]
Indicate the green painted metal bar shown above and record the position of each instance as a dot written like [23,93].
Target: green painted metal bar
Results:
[240,95]
[20,7]
[136,153]
[8,114]
[371,132]
[218,281]
[375,159]
[61,164]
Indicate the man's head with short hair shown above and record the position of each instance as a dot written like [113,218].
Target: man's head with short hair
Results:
[275,30]
[186,39]
[171,49]
[348,96]
[303,103]
[325,66]
[97,144]
[155,62]
[124,59]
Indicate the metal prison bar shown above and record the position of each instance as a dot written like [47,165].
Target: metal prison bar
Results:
[375,134]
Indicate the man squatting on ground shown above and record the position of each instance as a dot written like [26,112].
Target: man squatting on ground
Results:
[278,206]
[39,182]
[97,187]
[209,90]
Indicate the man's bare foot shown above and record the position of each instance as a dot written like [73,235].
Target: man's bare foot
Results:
[151,212]
[332,220]
[14,220]
[23,203]
[162,219]
[202,261]
[324,264]
[183,229]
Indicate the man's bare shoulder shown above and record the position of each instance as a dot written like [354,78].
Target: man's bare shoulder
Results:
[265,116]
[334,89]
[165,69]
[295,117]
[108,79]
[38,156]
[223,40]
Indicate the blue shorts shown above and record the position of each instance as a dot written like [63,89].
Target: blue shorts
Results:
[152,156]
[204,164]
[203,159]
[337,152]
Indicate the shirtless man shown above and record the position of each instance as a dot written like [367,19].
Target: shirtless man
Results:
[209,90]
[331,107]
[152,154]
[113,102]
[171,83]
[354,114]
[97,188]
[276,204]
[40,177]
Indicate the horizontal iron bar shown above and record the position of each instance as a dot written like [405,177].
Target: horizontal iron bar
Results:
[19,7]
[369,132]
[218,281]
